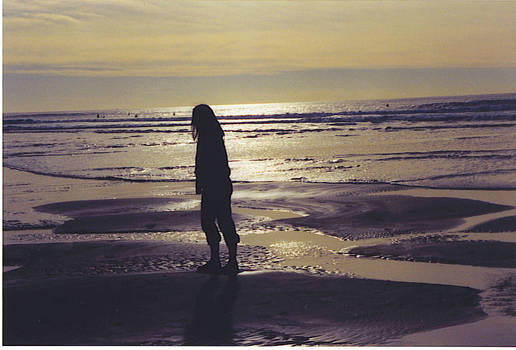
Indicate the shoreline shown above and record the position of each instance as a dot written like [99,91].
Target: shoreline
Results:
[283,228]
[403,186]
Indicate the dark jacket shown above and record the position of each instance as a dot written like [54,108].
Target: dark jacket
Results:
[211,166]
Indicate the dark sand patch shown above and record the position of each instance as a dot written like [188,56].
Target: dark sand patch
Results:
[17,225]
[499,299]
[505,224]
[126,215]
[438,250]
[253,309]
[353,211]
[383,216]
[343,210]
[183,220]
[84,208]
[122,215]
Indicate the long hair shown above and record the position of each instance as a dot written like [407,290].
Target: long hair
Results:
[205,123]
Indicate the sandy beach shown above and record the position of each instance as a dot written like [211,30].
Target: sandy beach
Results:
[89,262]
[359,157]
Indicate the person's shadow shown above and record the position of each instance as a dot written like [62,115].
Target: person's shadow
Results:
[212,322]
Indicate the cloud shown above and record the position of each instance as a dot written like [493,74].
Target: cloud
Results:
[197,38]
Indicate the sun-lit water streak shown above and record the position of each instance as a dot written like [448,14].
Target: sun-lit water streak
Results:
[465,142]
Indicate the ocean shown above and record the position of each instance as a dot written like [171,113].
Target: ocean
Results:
[463,142]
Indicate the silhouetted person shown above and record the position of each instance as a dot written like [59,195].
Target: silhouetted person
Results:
[213,183]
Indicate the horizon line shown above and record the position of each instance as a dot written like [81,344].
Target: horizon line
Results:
[259,103]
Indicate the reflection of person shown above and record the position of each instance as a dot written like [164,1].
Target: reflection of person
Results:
[212,322]
[213,183]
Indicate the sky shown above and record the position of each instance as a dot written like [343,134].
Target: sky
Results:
[95,54]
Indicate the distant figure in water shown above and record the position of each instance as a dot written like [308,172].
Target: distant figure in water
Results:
[213,183]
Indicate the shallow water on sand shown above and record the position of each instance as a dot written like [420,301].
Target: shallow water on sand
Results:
[262,209]
[297,247]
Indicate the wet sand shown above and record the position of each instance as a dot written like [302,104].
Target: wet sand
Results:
[255,308]
[505,224]
[439,249]
[114,264]
[366,211]
[359,217]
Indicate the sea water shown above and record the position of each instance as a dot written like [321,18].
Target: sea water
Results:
[441,142]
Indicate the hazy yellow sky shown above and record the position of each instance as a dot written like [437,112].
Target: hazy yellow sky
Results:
[132,52]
